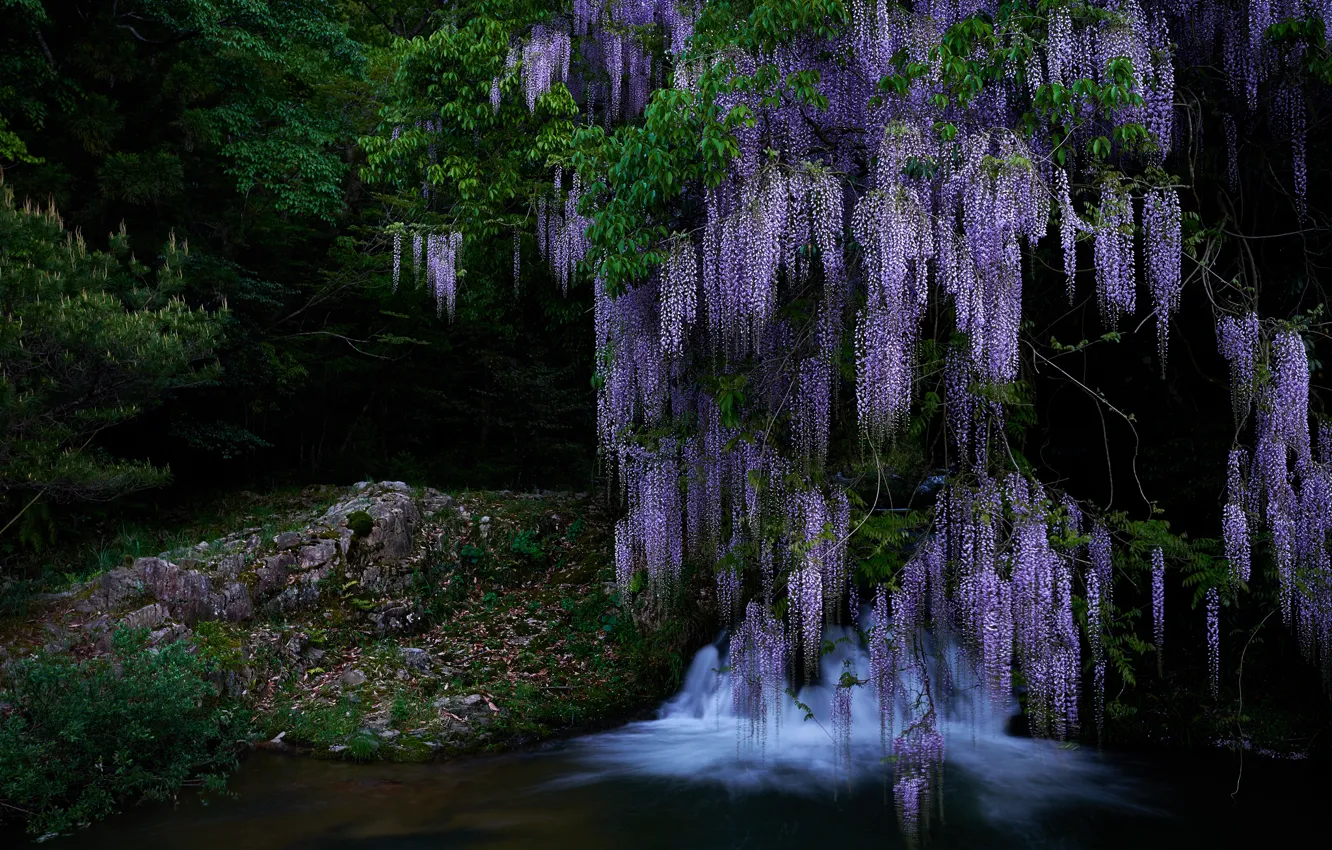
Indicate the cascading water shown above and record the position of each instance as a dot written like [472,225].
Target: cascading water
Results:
[698,737]
[698,776]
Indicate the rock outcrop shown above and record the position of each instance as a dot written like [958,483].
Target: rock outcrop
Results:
[242,575]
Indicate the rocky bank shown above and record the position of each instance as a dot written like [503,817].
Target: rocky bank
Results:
[395,622]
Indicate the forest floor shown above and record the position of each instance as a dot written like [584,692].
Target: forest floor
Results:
[384,621]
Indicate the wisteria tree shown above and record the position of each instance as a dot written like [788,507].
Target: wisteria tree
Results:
[834,245]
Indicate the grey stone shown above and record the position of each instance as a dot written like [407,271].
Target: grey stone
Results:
[234,603]
[118,586]
[295,645]
[389,734]
[394,617]
[398,486]
[287,540]
[302,593]
[417,659]
[169,633]
[374,724]
[197,600]
[231,566]
[337,748]
[273,574]
[160,577]
[353,678]
[395,519]
[433,501]
[472,700]
[147,617]
[318,553]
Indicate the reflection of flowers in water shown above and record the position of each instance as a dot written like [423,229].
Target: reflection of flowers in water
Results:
[920,754]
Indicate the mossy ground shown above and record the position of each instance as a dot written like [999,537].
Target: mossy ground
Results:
[524,637]
[518,632]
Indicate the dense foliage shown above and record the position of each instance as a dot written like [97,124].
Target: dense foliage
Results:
[79,739]
[86,339]
[233,126]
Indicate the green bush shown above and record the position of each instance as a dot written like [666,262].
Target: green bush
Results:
[80,739]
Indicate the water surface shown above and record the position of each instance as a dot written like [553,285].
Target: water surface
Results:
[696,777]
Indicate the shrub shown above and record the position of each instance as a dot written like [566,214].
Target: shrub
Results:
[79,739]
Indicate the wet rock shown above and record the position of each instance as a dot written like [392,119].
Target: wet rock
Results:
[353,678]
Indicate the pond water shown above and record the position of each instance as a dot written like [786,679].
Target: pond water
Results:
[692,779]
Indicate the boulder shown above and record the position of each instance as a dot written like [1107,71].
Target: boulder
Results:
[287,540]
[231,566]
[395,519]
[417,659]
[160,577]
[353,678]
[273,573]
[234,603]
[434,502]
[393,617]
[117,587]
[317,554]
[147,617]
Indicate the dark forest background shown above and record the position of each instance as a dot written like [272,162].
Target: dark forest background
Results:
[237,134]
[233,127]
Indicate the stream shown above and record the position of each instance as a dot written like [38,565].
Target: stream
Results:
[696,777]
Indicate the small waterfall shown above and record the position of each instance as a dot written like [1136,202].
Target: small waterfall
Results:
[698,738]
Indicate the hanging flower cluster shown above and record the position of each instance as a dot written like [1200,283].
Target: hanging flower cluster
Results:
[836,236]
[1282,485]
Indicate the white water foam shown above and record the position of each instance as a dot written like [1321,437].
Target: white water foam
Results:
[698,738]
